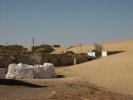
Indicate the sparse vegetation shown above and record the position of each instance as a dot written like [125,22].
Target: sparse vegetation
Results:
[70,53]
[44,48]
[56,46]
[13,48]
[98,49]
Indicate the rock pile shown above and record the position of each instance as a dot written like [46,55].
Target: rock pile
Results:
[24,71]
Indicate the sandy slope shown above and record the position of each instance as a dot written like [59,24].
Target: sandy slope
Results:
[113,72]
[115,46]
[59,50]
[125,46]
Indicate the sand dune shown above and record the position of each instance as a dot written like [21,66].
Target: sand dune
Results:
[115,46]
[118,46]
[113,72]
[59,50]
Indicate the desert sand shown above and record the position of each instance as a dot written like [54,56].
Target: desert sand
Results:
[114,73]
[101,79]
[115,46]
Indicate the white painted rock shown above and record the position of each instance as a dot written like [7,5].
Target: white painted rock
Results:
[24,71]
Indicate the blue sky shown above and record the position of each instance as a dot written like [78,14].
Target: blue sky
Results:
[65,22]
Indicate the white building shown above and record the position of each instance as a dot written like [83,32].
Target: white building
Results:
[104,53]
[93,54]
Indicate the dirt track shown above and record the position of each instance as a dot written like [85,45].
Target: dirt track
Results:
[55,89]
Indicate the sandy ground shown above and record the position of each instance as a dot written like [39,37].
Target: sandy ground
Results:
[55,89]
[114,73]
[108,78]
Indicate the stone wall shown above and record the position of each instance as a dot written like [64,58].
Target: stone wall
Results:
[2,73]
[63,60]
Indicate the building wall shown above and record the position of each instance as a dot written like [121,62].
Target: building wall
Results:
[2,73]
[6,59]
[56,59]
[92,54]
[104,53]
[97,54]
[63,60]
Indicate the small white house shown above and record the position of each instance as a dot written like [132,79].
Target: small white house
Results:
[104,53]
[92,54]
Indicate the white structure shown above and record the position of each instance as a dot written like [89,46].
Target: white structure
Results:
[22,71]
[104,53]
[92,54]
[2,73]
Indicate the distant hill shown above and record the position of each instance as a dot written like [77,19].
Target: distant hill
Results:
[118,46]
[115,46]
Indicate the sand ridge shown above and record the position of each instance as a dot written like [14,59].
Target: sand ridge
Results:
[113,72]
[115,46]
